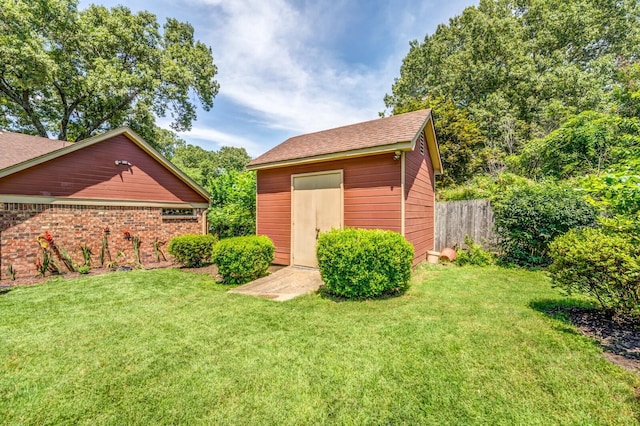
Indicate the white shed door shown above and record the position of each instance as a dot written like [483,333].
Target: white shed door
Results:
[317,207]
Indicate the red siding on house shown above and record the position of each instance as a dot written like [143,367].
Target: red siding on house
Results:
[419,202]
[372,197]
[91,173]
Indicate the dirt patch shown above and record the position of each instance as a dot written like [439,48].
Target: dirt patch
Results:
[619,337]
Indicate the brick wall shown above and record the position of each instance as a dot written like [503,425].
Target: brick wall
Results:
[71,226]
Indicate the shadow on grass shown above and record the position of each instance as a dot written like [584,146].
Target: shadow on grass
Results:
[326,294]
[560,309]
[5,290]
[618,336]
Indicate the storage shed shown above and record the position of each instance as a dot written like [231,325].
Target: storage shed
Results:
[74,191]
[376,174]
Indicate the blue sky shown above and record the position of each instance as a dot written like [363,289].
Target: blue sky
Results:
[288,67]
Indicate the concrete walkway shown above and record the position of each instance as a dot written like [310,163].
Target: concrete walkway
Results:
[284,284]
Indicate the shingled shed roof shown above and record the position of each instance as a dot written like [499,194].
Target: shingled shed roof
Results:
[398,132]
[17,147]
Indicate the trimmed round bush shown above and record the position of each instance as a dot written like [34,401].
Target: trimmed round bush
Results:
[192,250]
[243,259]
[600,265]
[364,263]
[529,218]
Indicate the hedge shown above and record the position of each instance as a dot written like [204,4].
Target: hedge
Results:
[192,250]
[603,266]
[364,263]
[529,218]
[243,259]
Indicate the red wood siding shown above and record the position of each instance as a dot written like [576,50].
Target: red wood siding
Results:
[372,197]
[91,173]
[419,202]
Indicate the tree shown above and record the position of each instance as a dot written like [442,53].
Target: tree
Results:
[204,166]
[73,73]
[587,143]
[530,217]
[233,204]
[627,92]
[520,66]
[460,140]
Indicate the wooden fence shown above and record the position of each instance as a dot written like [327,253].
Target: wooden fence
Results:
[457,219]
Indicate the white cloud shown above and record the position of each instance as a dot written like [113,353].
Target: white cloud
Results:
[270,60]
[213,140]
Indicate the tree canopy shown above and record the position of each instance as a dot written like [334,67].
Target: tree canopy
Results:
[521,67]
[72,73]
[205,166]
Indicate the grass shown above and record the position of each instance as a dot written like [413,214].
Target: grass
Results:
[463,346]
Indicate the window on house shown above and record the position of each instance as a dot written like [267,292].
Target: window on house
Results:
[179,213]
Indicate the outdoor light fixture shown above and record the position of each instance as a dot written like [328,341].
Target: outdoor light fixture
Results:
[123,162]
[397,155]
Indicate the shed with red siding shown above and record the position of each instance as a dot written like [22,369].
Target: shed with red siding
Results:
[378,174]
[74,191]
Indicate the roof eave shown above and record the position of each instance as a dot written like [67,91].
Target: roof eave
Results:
[363,152]
[432,143]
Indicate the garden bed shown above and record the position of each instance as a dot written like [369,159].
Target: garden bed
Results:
[619,337]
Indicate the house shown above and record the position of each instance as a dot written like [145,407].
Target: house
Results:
[74,191]
[376,174]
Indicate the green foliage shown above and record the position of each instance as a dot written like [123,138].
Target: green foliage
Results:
[603,266]
[460,140]
[64,257]
[192,250]
[243,259]
[84,269]
[616,194]
[233,204]
[627,91]
[587,143]
[86,254]
[529,218]
[157,249]
[105,254]
[489,187]
[204,166]
[12,272]
[473,254]
[364,263]
[78,72]
[520,67]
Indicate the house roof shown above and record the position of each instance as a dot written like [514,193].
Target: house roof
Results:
[398,132]
[32,154]
[17,147]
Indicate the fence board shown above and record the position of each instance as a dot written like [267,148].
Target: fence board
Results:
[456,219]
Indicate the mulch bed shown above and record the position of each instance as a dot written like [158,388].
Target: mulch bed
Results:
[619,337]
[27,280]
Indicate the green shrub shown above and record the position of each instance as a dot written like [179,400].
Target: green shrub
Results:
[473,254]
[84,269]
[530,217]
[233,204]
[604,266]
[192,250]
[364,263]
[243,259]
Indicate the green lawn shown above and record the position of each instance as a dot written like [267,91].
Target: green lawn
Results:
[463,346]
